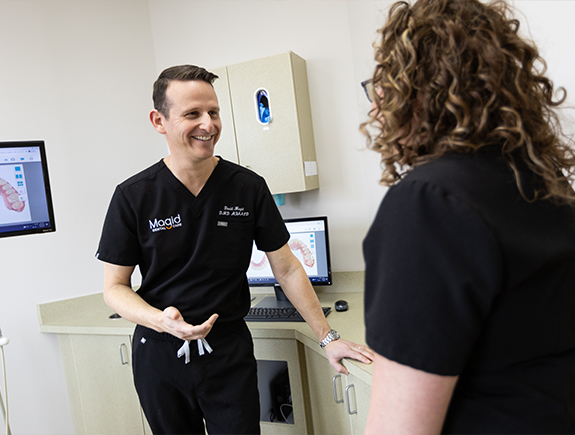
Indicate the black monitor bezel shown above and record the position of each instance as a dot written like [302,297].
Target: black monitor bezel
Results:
[328,254]
[47,189]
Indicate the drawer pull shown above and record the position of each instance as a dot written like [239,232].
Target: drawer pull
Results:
[124,362]
[335,390]
[347,398]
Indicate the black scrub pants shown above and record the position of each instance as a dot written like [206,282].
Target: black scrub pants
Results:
[218,387]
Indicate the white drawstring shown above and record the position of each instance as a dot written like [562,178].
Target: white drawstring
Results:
[201,343]
[185,349]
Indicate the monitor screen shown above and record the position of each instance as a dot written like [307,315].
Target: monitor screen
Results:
[26,201]
[309,242]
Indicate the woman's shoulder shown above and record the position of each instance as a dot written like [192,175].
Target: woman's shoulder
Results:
[465,175]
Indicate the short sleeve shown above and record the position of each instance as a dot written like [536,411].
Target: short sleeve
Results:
[433,270]
[270,230]
[119,241]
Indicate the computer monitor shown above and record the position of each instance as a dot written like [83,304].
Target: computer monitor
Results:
[25,197]
[309,241]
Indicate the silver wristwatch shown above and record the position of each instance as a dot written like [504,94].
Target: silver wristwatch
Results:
[331,336]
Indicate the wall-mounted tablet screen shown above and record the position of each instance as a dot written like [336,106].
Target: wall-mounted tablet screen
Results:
[25,196]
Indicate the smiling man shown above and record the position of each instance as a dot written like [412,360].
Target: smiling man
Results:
[193,357]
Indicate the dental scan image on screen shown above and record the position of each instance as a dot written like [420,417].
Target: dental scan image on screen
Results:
[13,192]
[303,247]
[309,243]
[25,197]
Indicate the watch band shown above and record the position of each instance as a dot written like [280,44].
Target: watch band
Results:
[331,336]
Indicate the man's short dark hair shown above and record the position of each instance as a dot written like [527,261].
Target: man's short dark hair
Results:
[182,73]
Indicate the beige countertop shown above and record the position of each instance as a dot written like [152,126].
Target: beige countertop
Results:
[90,315]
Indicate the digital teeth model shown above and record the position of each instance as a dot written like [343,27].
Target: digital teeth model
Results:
[11,197]
[294,245]
[308,259]
[259,265]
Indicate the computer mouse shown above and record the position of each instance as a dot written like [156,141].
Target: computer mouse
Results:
[341,305]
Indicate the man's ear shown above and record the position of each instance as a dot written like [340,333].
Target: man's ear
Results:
[157,120]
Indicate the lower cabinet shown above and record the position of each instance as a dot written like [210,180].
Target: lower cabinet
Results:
[291,352]
[103,399]
[339,403]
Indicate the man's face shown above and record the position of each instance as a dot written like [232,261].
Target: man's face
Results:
[194,123]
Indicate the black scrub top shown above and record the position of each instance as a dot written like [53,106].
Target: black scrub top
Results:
[193,252]
[464,277]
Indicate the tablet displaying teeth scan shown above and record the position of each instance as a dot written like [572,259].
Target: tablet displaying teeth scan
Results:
[25,195]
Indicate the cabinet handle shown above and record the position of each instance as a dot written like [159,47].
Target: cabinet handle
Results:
[122,354]
[335,390]
[347,398]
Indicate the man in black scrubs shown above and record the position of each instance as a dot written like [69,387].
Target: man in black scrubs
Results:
[171,220]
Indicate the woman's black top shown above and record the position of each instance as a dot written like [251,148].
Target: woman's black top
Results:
[465,277]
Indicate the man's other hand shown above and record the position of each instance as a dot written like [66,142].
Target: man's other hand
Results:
[339,349]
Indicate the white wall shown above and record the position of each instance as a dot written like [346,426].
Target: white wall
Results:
[78,74]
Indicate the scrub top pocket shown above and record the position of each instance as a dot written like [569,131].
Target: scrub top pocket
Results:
[232,245]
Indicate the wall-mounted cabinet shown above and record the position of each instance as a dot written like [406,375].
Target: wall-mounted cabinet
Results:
[266,118]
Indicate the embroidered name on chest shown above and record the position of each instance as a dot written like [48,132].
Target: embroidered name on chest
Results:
[234,211]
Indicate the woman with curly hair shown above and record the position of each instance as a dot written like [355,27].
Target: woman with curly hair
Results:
[470,261]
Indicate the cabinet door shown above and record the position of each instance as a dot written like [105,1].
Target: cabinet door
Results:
[357,394]
[226,146]
[99,376]
[285,350]
[327,392]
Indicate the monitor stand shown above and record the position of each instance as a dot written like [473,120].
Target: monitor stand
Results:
[280,300]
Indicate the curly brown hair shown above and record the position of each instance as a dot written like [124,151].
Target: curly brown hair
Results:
[455,76]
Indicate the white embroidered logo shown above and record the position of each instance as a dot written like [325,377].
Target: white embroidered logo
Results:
[165,224]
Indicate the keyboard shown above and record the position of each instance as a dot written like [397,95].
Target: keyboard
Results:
[277,314]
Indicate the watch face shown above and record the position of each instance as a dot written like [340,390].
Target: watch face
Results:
[331,336]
